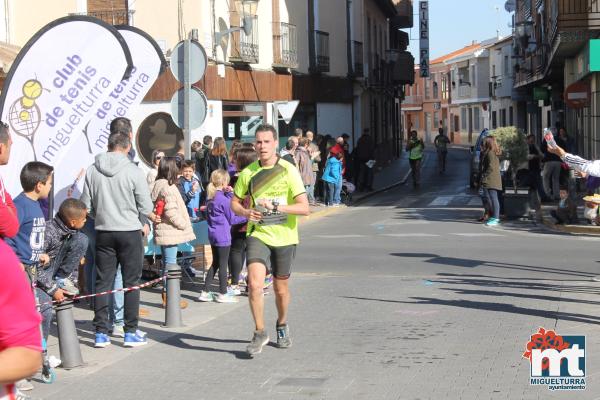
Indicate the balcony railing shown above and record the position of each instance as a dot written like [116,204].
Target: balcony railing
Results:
[113,17]
[245,47]
[376,73]
[416,99]
[464,91]
[285,45]
[358,58]
[321,51]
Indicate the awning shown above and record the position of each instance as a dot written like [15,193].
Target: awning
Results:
[8,53]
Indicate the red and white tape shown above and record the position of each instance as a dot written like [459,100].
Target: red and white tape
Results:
[138,287]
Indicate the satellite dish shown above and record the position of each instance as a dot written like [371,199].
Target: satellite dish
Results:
[510,5]
[224,40]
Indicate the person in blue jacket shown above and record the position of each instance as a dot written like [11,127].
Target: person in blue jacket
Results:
[332,176]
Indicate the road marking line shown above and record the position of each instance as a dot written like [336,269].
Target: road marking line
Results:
[339,236]
[410,234]
[477,234]
[441,201]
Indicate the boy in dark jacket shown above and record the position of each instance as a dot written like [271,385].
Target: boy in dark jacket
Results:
[566,212]
[66,247]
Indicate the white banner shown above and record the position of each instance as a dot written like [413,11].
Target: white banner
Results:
[58,81]
[125,96]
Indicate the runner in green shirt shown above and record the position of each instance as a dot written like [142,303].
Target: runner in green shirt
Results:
[415,147]
[277,196]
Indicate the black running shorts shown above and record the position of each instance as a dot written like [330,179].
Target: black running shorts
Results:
[279,258]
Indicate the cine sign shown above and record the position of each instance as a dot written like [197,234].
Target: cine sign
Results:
[424,38]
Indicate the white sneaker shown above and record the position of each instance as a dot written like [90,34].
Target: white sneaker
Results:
[117,331]
[225,298]
[24,385]
[234,290]
[206,297]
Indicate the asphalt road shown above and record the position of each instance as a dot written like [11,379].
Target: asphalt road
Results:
[403,297]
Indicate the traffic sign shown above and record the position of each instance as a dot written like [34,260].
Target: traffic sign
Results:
[198,61]
[197,108]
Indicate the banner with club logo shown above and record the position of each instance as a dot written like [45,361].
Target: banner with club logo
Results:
[124,95]
[57,82]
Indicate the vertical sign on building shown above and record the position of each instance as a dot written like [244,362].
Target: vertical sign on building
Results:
[424,38]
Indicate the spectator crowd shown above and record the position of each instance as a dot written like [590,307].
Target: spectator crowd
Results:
[96,243]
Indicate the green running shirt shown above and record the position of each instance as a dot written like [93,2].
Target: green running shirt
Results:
[281,182]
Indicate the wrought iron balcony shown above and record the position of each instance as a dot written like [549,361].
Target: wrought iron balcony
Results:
[321,51]
[358,59]
[113,17]
[285,45]
[244,47]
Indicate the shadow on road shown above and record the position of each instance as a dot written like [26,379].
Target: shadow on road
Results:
[471,263]
[489,306]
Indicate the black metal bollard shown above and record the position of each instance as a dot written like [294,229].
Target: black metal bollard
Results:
[173,308]
[68,342]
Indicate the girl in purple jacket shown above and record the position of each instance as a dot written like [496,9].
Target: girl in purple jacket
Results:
[220,218]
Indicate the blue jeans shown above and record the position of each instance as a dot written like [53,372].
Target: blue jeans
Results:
[337,193]
[310,193]
[117,301]
[492,196]
[333,193]
[169,254]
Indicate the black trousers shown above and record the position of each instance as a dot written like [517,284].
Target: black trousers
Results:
[220,262]
[114,248]
[237,256]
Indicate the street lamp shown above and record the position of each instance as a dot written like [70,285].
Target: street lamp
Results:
[245,8]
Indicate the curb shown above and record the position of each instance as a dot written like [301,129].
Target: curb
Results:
[320,214]
[573,229]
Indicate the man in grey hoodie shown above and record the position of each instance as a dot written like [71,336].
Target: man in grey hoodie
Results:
[115,194]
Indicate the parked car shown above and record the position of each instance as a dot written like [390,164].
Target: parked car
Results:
[475,152]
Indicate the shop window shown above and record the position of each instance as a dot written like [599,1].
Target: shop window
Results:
[463,119]
[240,120]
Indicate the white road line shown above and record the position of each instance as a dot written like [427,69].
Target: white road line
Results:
[414,219]
[339,236]
[441,201]
[477,234]
[409,235]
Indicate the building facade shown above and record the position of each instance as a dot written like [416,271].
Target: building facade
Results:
[334,56]
[502,107]
[556,81]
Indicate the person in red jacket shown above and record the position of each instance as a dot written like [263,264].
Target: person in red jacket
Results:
[337,149]
[20,336]
[9,224]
